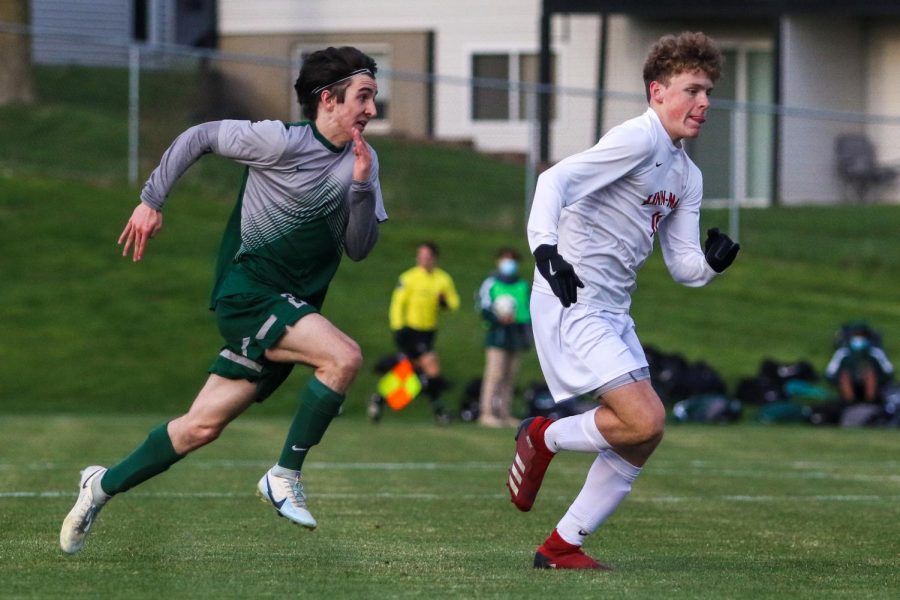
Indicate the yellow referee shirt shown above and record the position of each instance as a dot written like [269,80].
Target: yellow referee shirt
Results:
[415,302]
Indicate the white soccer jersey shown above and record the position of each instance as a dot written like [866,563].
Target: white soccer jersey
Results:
[604,206]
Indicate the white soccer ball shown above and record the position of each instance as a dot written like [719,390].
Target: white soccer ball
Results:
[504,307]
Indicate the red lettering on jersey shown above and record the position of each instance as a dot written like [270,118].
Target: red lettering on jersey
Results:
[654,222]
[661,198]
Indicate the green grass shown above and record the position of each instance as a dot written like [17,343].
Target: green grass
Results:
[409,510]
[138,336]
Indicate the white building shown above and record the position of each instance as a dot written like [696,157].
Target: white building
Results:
[97,32]
[828,59]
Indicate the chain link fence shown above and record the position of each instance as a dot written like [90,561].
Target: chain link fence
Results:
[114,121]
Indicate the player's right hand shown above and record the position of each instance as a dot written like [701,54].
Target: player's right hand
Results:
[558,273]
[145,222]
[362,166]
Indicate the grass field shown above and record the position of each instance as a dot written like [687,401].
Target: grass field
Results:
[409,510]
[95,350]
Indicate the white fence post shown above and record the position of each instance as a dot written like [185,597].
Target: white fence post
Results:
[134,74]
[531,156]
[738,170]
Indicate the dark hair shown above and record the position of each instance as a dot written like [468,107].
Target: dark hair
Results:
[431,246]
[510,252]
[687,52]
[328,69]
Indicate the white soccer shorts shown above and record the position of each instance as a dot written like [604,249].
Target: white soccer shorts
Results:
[582,348]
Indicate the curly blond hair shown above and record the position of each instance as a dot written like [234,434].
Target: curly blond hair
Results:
[689,51]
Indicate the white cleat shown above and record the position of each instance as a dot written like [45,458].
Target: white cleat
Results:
[286,496]
[79,520]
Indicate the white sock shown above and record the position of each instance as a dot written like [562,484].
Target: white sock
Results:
[100,497]
[578,433]
[608,483]
[283,472]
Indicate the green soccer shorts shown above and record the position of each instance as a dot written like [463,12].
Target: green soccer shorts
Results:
[251,323]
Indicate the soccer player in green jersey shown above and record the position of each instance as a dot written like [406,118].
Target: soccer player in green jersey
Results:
[310,194]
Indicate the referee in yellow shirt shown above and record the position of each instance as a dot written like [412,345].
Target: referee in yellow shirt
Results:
[422,292]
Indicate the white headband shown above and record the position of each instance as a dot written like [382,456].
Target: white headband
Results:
[319,89]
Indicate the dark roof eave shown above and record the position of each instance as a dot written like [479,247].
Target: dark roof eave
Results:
[724,8]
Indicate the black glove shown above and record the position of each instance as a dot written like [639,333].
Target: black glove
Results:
[720,250]
[558,273]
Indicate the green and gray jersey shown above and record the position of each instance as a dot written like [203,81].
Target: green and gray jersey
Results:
[298,210]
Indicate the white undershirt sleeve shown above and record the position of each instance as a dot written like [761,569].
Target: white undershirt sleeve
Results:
[679,236]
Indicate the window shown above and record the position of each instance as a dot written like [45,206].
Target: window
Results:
[497,99]
[735,150]
[383,98]
[490,102]
[139,27]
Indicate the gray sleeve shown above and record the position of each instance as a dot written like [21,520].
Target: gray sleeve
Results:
[184,151]
[883,361]
[362,225]
[834,364]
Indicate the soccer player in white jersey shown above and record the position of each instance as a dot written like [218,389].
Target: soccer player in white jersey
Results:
[310,194]
[592,225]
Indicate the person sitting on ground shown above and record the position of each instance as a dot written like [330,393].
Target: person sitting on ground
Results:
[859,367]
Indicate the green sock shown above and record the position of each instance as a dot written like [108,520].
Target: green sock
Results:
[151,458]
[318,406]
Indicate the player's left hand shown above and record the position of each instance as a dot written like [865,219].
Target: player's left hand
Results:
[720,250]
[363,164]
[145,222]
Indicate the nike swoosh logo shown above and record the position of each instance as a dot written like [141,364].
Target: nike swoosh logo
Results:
[88,519]
[552,270]
[583,532]
[296,449]
[88,480]
[275,503]
[658,164]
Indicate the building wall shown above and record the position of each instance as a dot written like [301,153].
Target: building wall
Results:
[627,47]
[75,22]
[576,44]
[828,62]
[883,91]
[96,32]
[818,73]
[461,29]
[268,90]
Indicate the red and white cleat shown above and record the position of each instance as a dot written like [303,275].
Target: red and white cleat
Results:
[530,462]
[556,553]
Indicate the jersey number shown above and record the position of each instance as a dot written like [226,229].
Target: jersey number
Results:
[296,303]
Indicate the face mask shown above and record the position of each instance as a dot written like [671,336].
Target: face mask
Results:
[507,267]
[858,343]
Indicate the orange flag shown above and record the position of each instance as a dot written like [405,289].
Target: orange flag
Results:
[400,385]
